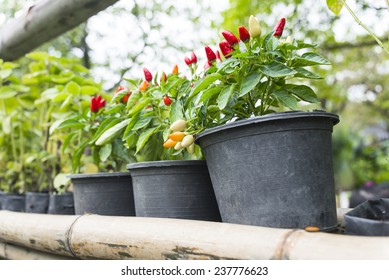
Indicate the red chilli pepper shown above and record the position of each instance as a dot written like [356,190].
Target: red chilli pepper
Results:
[211,56]
[226,48]
[230,38]
[97,103]
[279,28]
[148,75]
[193,57]
[244,34]
[125,98]
[167,100]
[188,61]
[163,77]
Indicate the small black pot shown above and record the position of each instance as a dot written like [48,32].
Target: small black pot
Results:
[14,202]
[37,202]
[61,204]
[275,170]
[1,198]
[371,218]
[103,194]
[179,189]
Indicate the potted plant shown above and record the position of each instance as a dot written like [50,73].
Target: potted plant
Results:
[74,112]
[267,168]
[169,185]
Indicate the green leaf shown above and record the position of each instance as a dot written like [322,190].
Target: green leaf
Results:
[50,93]
[143,122]
[335,6]
[209,93]
[139,106]
[128,132]
[224,96]
[286,99]
[176,111]
[61,180]
[272,43]
[7,125]
[277,70]
[304,73]
[308,59]
[7,92]
[112,132]
[204,83]
[105,152]
[73,88]
[249,82]
[67,102]
[105,125]
[20,88]
[89,90]
[303,92]
[38,55]
[144,137]
[67,140]
[76,157]
[5,73]
[71,123]
[61,97]
[63,79]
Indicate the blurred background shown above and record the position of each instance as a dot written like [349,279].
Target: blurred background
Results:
[132,34]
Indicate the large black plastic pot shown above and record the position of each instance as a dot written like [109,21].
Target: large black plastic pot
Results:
[179,189]
[37,202]
[61,204]
[275,170]
[371,218]
[103,194]
[14,202]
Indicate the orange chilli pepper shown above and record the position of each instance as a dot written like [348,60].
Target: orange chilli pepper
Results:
[169,143]
[177,136]
[175,69]
[143,86]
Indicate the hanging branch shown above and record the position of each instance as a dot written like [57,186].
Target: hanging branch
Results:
[44,21]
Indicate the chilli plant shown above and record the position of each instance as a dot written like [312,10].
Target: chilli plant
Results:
[251,75]
[255,75]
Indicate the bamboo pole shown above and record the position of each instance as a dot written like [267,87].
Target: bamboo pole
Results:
[13,252]
[44,21]
[108,237]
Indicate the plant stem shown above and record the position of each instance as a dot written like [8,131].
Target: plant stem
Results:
[21,142]
[379,42]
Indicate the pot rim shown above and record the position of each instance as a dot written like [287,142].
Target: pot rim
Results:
[271,117]
[99,175]
[164,163]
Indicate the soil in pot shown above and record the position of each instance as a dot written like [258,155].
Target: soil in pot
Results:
[37,202]
[179,189]
[61,204]
[274,171]
[103,194]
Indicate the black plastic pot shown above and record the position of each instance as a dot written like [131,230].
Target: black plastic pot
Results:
[275,170]
[14,202]
[1,198]
[179,189]
[37,202]
[103,194]
[371,218]
[61,204]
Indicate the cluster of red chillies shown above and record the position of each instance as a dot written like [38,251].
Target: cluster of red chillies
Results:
[226,48]
[231,42]
[97,103]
